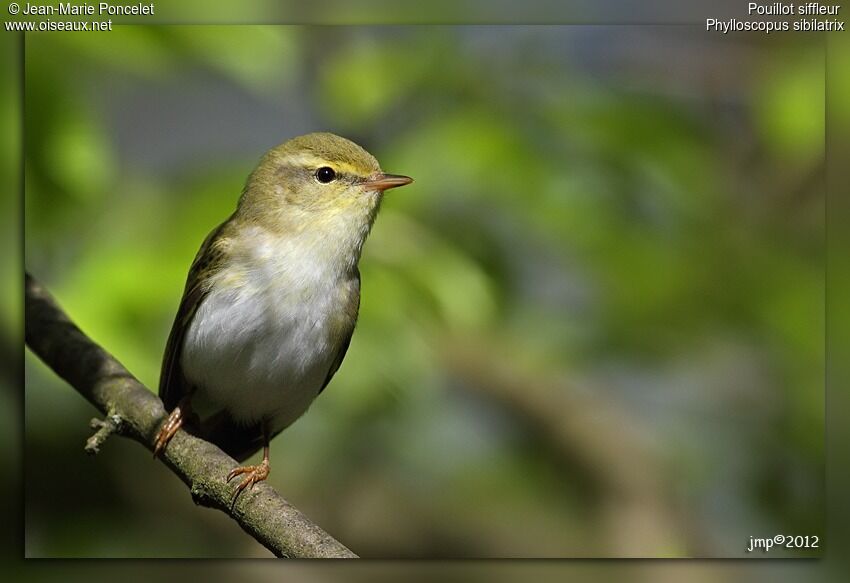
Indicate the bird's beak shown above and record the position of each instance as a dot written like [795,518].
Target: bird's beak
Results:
[386,181]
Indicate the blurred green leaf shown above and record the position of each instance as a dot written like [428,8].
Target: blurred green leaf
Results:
[790,107]
[259,57]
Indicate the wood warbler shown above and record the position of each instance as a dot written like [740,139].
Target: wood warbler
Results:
[271,298]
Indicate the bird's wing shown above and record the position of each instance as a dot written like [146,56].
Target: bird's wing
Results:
[346,341]
[173,385]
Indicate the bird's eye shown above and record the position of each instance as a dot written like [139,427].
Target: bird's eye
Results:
[325,174]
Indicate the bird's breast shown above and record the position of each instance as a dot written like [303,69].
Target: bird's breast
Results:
[265,337]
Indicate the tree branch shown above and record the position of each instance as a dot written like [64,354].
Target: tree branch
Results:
[577,427]
[134,411]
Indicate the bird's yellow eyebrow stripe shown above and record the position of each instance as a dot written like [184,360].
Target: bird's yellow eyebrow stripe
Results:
[316,161]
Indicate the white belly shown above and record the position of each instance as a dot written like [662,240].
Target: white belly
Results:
[262,351]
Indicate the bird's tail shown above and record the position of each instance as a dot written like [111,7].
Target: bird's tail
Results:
[236,439]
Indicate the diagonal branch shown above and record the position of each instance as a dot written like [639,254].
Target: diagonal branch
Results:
[134,411]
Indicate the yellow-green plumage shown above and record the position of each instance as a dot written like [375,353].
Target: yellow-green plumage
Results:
[271,299]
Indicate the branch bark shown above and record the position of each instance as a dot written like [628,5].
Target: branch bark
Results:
[133,411]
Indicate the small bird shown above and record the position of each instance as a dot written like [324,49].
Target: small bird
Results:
[271,299]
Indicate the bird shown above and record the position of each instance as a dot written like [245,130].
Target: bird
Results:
[271,299]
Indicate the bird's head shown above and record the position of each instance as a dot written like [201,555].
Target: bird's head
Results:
[317,182]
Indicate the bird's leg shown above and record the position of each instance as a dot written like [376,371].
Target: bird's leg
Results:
[254,474]
[173,422]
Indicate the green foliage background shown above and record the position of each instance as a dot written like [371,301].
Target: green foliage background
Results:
[592,327]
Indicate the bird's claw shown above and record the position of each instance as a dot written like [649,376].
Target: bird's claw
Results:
[254,474]
[166,432]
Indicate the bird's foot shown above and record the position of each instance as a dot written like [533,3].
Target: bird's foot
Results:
[253,474]
[168,429]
